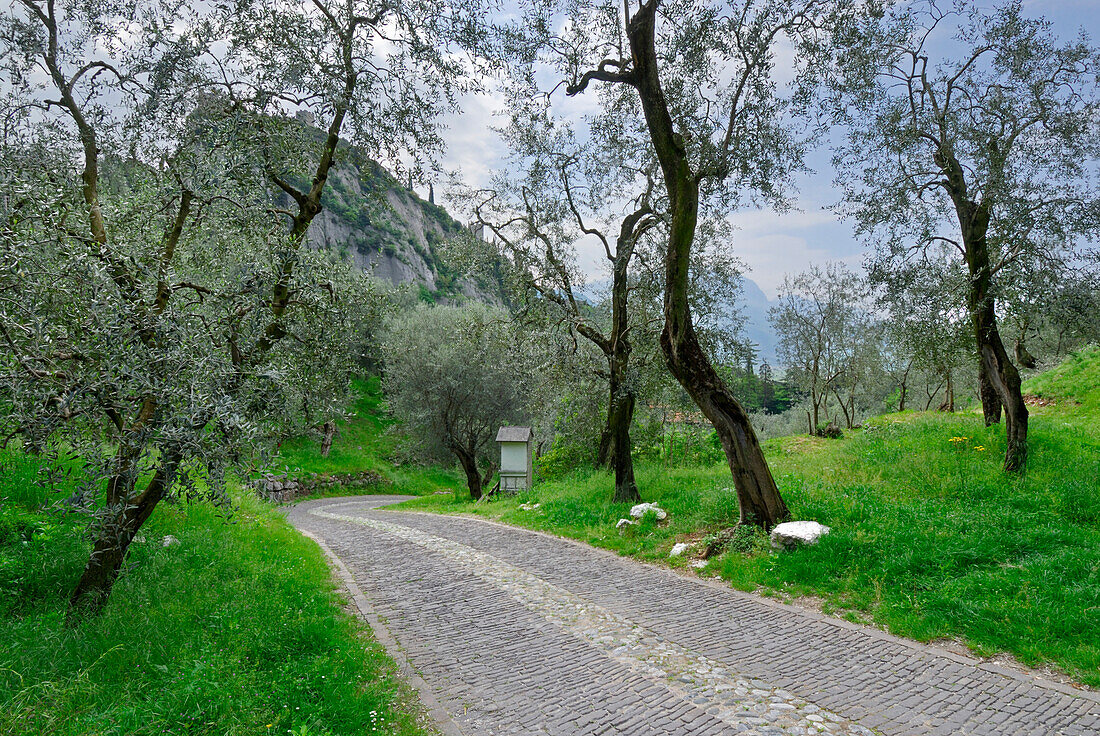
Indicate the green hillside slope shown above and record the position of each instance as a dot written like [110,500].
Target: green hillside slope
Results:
[1077,380]
[365,443]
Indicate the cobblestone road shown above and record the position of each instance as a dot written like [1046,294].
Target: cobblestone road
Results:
[515,632]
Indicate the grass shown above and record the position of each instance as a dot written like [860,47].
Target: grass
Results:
[365,443]
[1076,381]
[930,539]
[238,629]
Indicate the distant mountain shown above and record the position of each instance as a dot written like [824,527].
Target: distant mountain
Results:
[756,304]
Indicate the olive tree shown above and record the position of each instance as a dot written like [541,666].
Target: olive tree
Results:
[555,196]
[986,149]
[827,337]
[453,377]
[693,84]
[926,327]
[154,299]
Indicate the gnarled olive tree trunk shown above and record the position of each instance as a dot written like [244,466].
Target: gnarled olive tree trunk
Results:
[995,363]
[620,413]
[991,402]
[619,417]
[116,533]
[468,461]
[996,368]
[475,480]
[757,492]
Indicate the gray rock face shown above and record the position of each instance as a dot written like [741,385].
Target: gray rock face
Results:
[791,534]
[389,231]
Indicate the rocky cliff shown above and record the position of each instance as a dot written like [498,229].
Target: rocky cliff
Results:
[388,229]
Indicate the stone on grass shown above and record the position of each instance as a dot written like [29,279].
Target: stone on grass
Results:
[529,506]
[698,564]
[791,534]
[679,548]
[623,524]
[169,541]
[640,510]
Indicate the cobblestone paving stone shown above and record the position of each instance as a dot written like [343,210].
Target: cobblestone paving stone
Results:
[522,633]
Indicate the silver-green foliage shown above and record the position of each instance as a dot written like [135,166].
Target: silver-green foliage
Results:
[1017,108]
[160,312]
[453,376]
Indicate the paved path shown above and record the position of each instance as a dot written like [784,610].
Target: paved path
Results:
[515,632]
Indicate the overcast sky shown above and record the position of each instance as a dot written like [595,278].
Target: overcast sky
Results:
[771,244]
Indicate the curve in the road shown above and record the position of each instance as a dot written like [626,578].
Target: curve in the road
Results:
[518,632]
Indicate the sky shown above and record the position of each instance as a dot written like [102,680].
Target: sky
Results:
[769,243]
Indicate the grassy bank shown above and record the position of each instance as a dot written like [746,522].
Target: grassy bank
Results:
[929,537]
[237,629]
[364,443]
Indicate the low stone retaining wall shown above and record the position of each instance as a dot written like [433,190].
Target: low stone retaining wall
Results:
[285,488]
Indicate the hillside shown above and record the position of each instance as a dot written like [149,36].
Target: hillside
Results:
[388,229]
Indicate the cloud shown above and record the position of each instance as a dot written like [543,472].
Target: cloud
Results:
[774,244]
[474,149]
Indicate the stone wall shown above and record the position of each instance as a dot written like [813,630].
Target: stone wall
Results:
[286,488]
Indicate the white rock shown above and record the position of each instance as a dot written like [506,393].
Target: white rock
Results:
[640,510]
[529,506]
[698,564]
[169,541]
[624,523]
[679,548]
[791,534]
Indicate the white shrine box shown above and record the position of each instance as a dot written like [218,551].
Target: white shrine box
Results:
[516,461]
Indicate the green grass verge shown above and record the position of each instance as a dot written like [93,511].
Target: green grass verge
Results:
[238,629]
[365,442]
[929,537]
[1075,381]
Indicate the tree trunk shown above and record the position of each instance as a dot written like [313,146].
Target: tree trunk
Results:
[904,386]
[603,452]
[1006,382]
[1024,356]
[948,404]
[1001,373]
[991,403]
[996,365]
[622,414]
[115,536]
[468,461]
[328,432]
[847,407]
[757,492]
[621,394]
